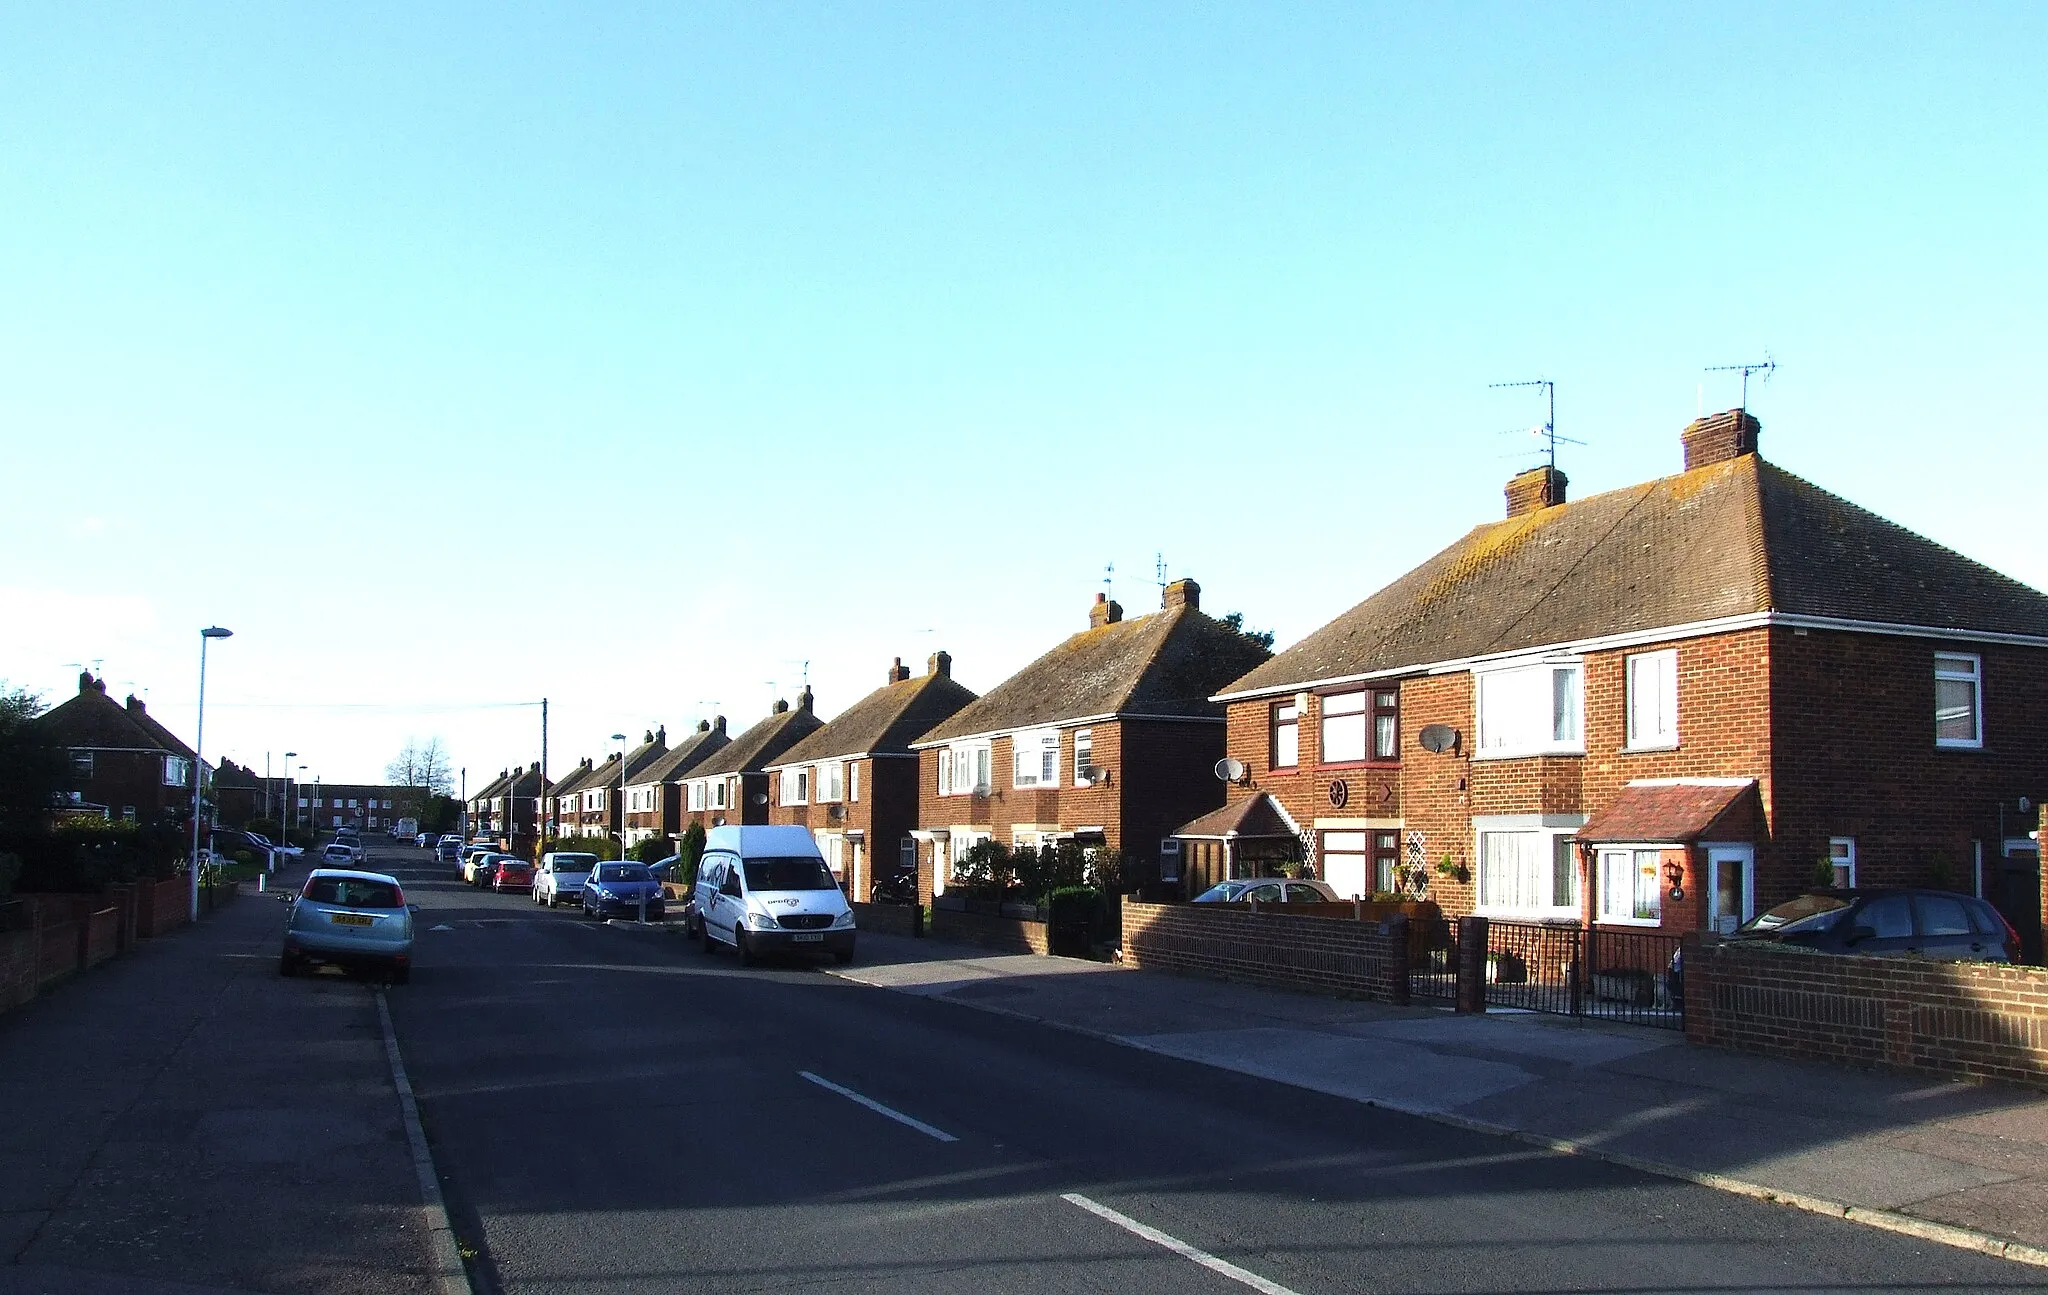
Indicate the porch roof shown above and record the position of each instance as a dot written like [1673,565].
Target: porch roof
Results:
[1257,816]
[1674,810]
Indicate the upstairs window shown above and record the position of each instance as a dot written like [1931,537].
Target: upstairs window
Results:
[718,794]
[1653,700]
[81,764]
[853,781]
[1036,758]
[1084,756]
[1286,746]
[832,781]
[1958,700]
[175,767]
[696,795]
[1344,727]
[1530,710]
[1386,724]
[964,770]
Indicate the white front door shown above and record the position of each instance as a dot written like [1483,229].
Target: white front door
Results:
[1731,886]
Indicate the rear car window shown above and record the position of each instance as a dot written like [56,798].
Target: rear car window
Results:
[352,892]
[1889,917]
[797,872]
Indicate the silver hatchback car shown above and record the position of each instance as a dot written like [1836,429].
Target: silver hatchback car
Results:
[354,920]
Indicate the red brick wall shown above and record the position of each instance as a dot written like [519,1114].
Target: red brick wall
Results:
[1168,773]
[1982,1020]
[18,981]
[1372,788]
[1000,934]
[1329,955]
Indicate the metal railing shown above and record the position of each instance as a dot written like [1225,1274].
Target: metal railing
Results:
[1568,970]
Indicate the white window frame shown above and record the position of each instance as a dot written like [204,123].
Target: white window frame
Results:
[796,787]
[1841,851]
[718,796]
[1974,677]
[1353,710]
[1602,884]
[853,780]
[1084,754]
[1497,745]
[175,767]
[830,782]
[1650,699]
[1035,759]
[1553,828]
[696,796]
[964,770]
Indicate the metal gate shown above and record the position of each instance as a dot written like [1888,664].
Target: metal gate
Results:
[1565,969]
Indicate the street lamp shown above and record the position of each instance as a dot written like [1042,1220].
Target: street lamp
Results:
[199,764]
[288,817]
[620,738]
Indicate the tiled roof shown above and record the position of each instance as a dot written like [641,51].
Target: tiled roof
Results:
[91,719]
[1667,812]
[1255,816]
[686,755]
[578,779]
[1167,663]
[1731,538]
[888,719]
[758,747]
[169,741]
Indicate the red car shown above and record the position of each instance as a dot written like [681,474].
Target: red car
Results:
[512,874]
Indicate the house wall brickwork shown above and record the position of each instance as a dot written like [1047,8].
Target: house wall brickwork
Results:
[872,826]
[1981,1020]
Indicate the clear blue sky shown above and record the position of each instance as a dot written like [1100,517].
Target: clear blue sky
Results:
[633,356]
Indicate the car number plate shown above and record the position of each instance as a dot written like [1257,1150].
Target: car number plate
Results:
[351,919]
[807,937]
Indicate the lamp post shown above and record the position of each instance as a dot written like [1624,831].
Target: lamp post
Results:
[286,819]
[620,738]
[199,765]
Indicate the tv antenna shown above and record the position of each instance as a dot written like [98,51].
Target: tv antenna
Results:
[1108,578]
[1767,368]
[1548,431]
[98,663]
[1159,572]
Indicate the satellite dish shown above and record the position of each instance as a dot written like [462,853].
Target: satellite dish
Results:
[1229,770]
[1438,738]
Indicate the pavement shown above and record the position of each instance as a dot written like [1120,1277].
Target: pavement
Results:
[1963,1164]
[185,1122]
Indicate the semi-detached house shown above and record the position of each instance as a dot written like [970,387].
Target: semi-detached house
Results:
[1109,740]
[598,807]
[565,800]
[854,782]
[654,798]
[1670,705]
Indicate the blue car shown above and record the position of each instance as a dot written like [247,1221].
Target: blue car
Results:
[618,889]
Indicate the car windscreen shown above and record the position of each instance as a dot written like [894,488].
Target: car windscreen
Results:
[575,862]
[1806,913]
[623,872]
[352,892]
[1223,892]
[796,872]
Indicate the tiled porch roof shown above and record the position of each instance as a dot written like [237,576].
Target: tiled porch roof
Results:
[1676,811]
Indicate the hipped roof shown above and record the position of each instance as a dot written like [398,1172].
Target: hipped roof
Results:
[1728,539]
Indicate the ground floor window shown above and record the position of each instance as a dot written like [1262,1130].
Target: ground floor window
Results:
[1629,887]
[1528,869]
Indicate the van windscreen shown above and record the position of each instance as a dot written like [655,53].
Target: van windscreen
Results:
[796,872]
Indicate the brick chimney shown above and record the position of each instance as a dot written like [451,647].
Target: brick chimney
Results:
[940,664]
[1181,593]
[661,734]
[86,683]
[1537,488]
[703,726]
[898,672]
[1720,437]
[780,707]
[1104,612]
[803,699]
[718,723]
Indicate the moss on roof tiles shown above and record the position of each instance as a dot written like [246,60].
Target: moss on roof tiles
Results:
[758,747]
[888,719]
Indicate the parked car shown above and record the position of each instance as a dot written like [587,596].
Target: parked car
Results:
[1269,890]
[339,854]
[423,839]
[561,876]
[355,920]
[618,890]
[481,868]
[282,851]
[510,872]
[447,851]
[767,890]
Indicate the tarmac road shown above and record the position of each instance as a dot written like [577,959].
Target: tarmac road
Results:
[613,1110]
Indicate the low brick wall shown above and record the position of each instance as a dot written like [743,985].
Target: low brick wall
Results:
[1330,955]
[1001,934]
[161,906]
[56,951]
[101,938]
[17,968]
[887,919]
[1960,1019]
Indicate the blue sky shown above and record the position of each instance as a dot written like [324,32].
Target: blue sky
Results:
[635,356]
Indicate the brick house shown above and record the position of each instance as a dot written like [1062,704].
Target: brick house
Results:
[507,807]
[598,809]
[565,801]
[1109,739]
[119,764]
[654,799]
[368,806]
[732,786]
[1671,705]
[854,782]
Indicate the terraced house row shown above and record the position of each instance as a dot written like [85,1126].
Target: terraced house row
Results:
[1665,706]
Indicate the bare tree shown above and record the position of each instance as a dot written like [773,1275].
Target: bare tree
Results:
[421,764]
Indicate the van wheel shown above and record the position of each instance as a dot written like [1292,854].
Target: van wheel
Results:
[843,959]
[710,945]
[739,947]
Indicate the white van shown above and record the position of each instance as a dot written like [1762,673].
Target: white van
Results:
[767,890]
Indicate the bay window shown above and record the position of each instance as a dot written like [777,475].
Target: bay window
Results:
[1530,710]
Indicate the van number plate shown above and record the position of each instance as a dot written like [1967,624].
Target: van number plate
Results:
[351,919]
[808,937]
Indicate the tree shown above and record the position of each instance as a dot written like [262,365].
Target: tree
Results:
[421,764]
[31,765]
[1235,621]
[691,850]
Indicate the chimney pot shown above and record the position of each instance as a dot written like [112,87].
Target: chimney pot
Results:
[703,726]
[1537,488]
[1104,612]
[803,699]
[1181,593]
[719,723]
[1720,437]
[939,663]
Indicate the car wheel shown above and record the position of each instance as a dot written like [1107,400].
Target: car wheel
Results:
[739,947]
[287,965]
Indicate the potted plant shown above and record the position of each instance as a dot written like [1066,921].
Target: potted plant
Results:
[1450,869]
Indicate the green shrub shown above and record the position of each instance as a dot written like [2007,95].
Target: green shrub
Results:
[604,847]
[691,848]
[653,850]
